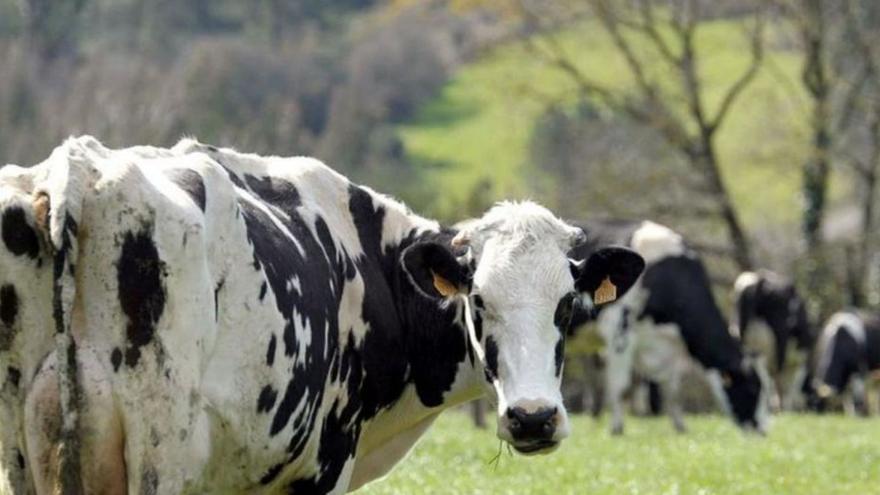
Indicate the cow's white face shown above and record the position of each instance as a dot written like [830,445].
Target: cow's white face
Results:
[517,287]
[522,289]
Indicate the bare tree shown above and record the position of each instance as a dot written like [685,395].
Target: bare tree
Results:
[840,75]
[813,25]
[858,120]
[691,131]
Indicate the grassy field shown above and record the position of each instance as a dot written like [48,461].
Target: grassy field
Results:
[481,123]
[802,455]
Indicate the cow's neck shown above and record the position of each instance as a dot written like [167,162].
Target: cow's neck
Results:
[434,343]
[440,370]
[443,369]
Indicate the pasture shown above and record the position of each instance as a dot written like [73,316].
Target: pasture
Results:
[821,455]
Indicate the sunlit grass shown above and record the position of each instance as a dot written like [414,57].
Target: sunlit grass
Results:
[481,123]
[802,455]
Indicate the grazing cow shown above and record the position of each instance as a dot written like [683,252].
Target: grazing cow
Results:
[199,320]
[669,315]
[768,312]
[847,353]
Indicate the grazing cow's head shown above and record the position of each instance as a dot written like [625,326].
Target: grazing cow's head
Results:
[522,290]
[747,391]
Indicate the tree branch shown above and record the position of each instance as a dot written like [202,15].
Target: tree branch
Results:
[868,70]
[757,56]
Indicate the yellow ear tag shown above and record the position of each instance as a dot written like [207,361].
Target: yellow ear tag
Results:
[605,293]
[443,286]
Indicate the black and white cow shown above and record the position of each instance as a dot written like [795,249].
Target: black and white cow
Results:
[199,320]
[768,314]
[847,353]
[669,316]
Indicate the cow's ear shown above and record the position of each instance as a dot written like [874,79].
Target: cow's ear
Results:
[607,274]
[435,271]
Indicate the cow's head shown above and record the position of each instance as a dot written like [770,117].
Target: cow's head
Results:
[747,391]
[522,290]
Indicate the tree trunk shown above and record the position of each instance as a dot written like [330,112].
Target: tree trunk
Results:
[869,180]
[706,161]
[815,181]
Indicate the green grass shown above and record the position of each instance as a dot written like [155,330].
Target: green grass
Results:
[480,125]
[802,455]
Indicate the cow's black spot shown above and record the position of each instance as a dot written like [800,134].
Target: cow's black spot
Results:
[217,290]
[316,308]
[271,474]
[140,274]
[419,326]
[116,358]
[149,481]
[9,305]
[14,375]
[20,238]
[491,359]
[337,445]
[266,401]
[232,175]
[263,288]
[270,352]
[8,314]
[559,354]
[191,182]
[155,440]
[277,192]
[368,219]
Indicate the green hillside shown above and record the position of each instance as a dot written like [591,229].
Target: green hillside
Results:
[481,123]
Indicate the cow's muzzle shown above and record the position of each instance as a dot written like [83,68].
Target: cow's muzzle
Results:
[531,430]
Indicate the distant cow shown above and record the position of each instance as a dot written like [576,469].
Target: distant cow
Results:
[847,353]
[768,314]
[199,320]
[669,315]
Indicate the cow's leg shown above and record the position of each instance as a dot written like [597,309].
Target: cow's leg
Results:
[794,395]
[167,450]
[859,395]
[618,381]
[775,384]
[614,328]
[672,394]
[14,475]
[100,434]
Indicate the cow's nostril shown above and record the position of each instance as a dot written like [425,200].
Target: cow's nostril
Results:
[514,425]
[549,427]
